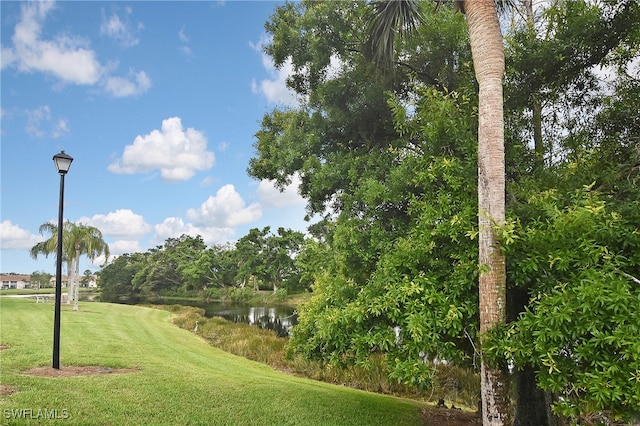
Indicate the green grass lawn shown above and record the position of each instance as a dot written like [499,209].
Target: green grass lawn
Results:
[181,379]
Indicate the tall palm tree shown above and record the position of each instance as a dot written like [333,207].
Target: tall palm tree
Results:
[87,241]
[77,240]
[50,246]
[487,51]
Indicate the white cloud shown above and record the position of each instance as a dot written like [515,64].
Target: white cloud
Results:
[274,88]
[270,195]
[123,224]
[182,35]
[186,51]
[7,57]
[67,57]
[335,67]
[135,83]
[184,39]
[40,123]
[177,153]
[116,248]
[223,146]
[60,128]
[225,209]
[207,181]
[12,237]
[119,247]
[173,227]
[120,30]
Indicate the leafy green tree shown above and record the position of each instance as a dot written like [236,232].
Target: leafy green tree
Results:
[488,58]
[486,42]
[587,124]
[552,79]
[250,255]
[573,37]
[379,205]
[268,258]
[590,135]
[217,266]
[158,275]
[186,252]
[420,301]
[311,262]
[607,30]
[172,268]
[583,335]
[115,279]
[279,266]
[86,278]
[580,263]
[40,279]
[182,265]
[342,141]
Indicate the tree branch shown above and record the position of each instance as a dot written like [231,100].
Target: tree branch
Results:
[631,277]
[431,80]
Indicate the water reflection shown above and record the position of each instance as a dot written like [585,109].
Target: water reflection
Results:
[279,319]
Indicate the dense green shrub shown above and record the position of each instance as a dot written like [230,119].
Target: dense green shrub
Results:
[580,329]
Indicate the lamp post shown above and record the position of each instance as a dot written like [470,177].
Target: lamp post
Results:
[62,162]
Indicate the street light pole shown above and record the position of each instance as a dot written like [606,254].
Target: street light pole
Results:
[62,162]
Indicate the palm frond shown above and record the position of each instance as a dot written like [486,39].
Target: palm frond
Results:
[77,240]
[391,17]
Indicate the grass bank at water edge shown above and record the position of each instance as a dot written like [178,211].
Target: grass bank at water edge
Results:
[179,378]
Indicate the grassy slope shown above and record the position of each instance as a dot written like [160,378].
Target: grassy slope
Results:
[182,380]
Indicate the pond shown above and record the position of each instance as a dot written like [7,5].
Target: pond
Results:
[278,318]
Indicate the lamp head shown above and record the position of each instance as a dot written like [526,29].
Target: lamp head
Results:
[62,162]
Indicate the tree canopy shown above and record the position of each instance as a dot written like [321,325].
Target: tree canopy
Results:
[390,160]
[185,265]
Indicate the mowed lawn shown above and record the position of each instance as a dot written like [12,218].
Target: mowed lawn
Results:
[180,380]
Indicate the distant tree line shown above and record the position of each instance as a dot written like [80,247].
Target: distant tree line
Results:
[187,266]
[41,279]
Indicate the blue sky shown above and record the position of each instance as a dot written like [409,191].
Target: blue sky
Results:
[158,104]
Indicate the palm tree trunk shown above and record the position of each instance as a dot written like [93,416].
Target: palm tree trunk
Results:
[488,60]
[76,283]
[70,271]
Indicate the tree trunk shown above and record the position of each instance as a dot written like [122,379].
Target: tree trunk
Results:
[488,60]
[70,272]
[76,282]
[532,407]
[536,105]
